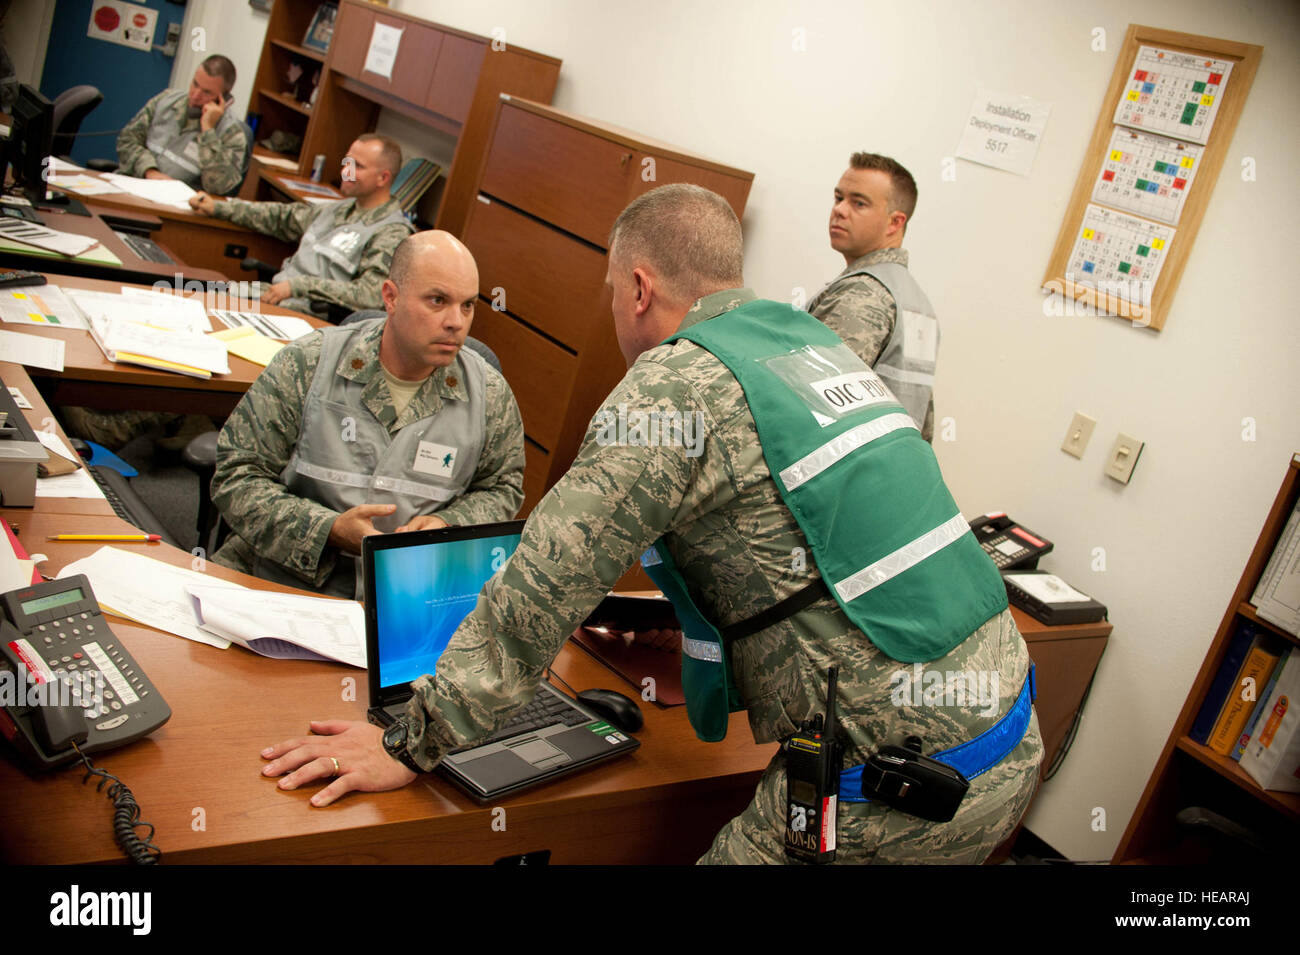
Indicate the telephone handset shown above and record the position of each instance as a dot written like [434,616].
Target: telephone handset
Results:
[1007,543]
[67,678]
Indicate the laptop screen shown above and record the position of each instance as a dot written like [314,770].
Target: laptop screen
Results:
[419,590]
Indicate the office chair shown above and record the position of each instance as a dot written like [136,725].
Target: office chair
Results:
[70,108]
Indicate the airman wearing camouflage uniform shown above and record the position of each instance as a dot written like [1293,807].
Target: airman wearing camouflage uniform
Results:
[316,441]
[740,551]
[874,201]
[172,135]
[344,246]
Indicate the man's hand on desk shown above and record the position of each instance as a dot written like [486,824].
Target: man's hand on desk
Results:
[355,523]
[156,174]
[423,522]
[202,202]
[276,293]
[356,748]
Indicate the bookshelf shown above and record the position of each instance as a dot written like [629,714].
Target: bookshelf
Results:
[1189,774]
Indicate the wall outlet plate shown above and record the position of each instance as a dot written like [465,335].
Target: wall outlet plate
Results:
[1078,434]
[1123,457]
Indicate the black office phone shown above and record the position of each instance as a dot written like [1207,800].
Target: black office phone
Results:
[67,678]
[1010,545]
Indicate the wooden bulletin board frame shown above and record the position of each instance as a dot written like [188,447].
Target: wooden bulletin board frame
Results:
[1245,59]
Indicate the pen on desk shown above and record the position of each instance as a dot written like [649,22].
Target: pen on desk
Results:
[143,538]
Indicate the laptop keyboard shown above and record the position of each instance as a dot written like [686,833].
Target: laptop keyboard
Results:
[545,709]
[144,247]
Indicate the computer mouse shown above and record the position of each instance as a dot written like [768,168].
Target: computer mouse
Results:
[614,707]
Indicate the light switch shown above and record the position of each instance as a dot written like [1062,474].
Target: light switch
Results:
[1077,435]
[1123,457]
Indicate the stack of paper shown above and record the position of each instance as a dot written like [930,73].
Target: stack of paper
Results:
[152,329]
[39,305]
[167,192]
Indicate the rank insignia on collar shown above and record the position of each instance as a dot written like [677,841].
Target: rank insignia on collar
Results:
[452,381]
[357,364]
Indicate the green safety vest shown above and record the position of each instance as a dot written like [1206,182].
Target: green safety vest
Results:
[902,564]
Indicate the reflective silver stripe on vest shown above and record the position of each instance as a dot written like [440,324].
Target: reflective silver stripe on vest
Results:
[413,488]
[382,483]
[701,650]
[907,556]
[813,464]
[902,374]
[332,476]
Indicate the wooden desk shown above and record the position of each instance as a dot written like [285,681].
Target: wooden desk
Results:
[202,241]
[90,379]
[229,704]
[132,269]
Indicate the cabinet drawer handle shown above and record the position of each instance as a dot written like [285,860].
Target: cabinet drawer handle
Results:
[623,159]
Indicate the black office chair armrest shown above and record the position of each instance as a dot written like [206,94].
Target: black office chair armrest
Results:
[102,165]
[265,272]
[331,312]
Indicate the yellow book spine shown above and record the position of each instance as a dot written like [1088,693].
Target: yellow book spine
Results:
[1258,667]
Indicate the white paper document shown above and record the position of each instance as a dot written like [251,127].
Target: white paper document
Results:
[161,310]
[54,443]
[77,484]
[285,626]
[43,305]
[14,573]
[83,185]
[167,192]
[382,53]
[1004,130]
[148,591]
[31,350]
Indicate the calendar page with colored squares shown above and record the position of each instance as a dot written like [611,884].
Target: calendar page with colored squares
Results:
[1119,254]
[1147,175]
[39,305]
[1175,94]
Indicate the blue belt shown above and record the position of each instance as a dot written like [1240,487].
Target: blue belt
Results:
[974,757]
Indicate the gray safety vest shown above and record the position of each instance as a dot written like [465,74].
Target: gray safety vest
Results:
[177,151]
[906,363]
[331,252]
[345,457]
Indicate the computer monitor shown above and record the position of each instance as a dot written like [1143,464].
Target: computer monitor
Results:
[31,139]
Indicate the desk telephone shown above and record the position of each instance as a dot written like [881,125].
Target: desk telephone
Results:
[1007,543]
[72,680]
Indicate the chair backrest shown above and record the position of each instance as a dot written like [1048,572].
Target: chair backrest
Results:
[70,108]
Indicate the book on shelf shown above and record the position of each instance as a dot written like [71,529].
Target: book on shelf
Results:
[413,181]
[1272,757]
[1241,702]
[1249,728]
[1234,656]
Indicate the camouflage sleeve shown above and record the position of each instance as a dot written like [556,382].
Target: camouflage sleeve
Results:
[497,489]
[252,451]
[363,290]
[133,159]
[221,159]
[616,500]
[861,311]
[286,221]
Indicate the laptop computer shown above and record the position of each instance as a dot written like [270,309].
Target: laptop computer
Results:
[419,586]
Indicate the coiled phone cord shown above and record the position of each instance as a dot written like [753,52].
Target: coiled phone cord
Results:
[126,816]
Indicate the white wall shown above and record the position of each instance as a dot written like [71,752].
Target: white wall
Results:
[723,80]
[26,35]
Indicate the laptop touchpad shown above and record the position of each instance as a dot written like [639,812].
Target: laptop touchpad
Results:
[538,752]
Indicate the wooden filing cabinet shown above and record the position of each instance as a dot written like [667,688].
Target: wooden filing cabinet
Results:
[552,185]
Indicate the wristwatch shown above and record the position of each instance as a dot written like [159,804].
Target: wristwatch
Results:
[395,746]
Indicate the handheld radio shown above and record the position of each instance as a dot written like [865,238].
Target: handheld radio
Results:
[813,757]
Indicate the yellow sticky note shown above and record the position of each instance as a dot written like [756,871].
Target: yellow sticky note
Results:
[1088,233]
[248,344]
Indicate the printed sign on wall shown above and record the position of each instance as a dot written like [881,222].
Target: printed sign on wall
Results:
[129,24]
